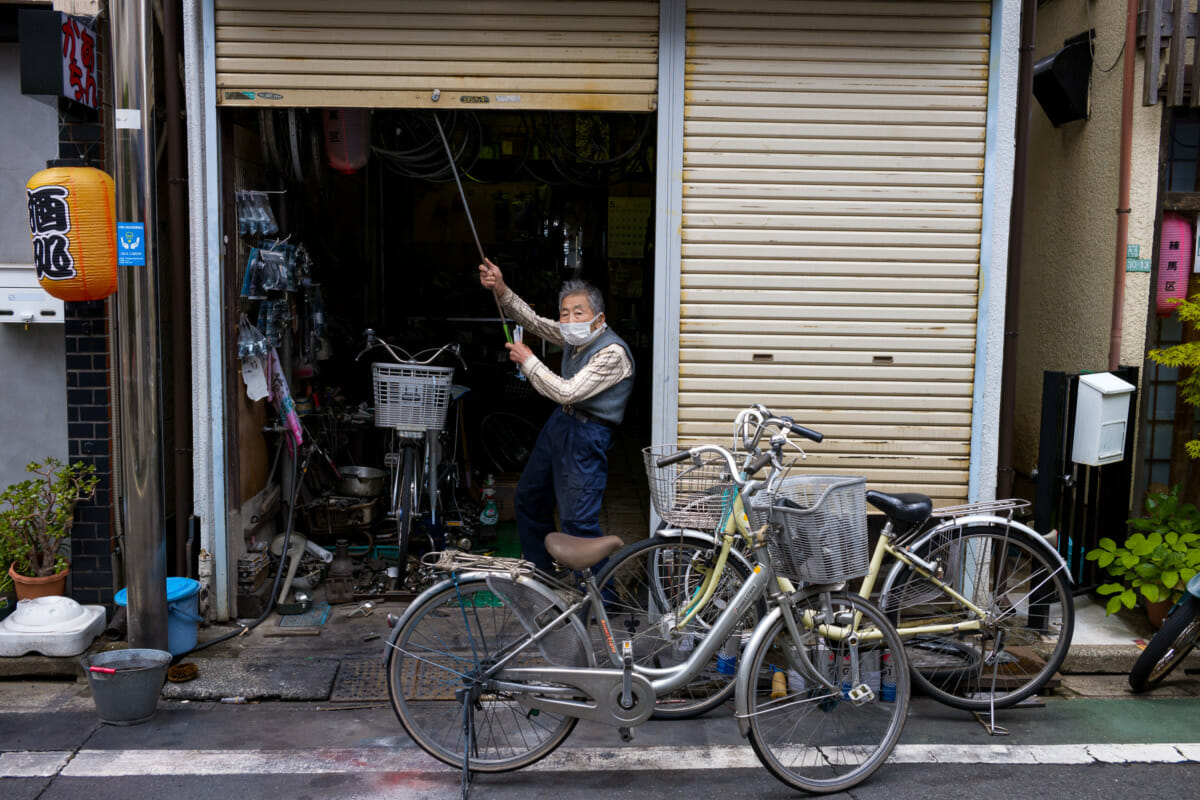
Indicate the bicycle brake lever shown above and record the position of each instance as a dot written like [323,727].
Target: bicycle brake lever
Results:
[457,350]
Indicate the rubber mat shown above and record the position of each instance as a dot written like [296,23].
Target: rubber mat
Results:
[313,617]
[360,679]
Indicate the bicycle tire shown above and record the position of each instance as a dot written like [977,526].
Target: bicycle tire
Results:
[1026,591]
[406,507]
[1175,639]
[451,632]
[812,738]
[644,582]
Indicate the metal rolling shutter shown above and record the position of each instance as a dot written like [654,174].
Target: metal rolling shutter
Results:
[534,54]
[832,207]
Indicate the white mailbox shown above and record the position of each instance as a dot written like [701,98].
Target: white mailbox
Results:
[22,298]
[1100,417]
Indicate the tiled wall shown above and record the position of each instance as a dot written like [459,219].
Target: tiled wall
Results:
[89,438]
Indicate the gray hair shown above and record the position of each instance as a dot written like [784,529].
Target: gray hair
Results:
[595,299]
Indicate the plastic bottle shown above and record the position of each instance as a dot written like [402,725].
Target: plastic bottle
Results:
[795,682]
[887,679]
[847,676]
[872,672]
[683,646]
[779,684]
[490,513]
[728,655]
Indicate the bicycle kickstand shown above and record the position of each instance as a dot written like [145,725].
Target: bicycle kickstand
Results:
[989,724]
[468,740]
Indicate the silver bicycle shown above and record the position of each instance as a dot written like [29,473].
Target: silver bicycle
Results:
[490,669]
[411,400]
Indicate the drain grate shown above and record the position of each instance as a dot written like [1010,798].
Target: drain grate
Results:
[360,679]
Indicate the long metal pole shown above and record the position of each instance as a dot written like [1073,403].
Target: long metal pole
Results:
[137,327]
[1117,327]
[471,222]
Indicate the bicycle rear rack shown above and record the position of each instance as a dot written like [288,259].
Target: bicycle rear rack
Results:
[997,507]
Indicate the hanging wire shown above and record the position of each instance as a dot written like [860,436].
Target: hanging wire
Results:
[415,150]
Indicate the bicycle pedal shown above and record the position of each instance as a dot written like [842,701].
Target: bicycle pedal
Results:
[861,694]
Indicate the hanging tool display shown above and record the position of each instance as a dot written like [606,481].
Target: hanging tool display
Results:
[470,221]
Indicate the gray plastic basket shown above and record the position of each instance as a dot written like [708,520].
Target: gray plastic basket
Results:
[411,399]
[817,527]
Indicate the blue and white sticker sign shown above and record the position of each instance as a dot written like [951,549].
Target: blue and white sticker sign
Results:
[131,244]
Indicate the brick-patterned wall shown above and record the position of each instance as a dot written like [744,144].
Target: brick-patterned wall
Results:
[89,438]
[89,386]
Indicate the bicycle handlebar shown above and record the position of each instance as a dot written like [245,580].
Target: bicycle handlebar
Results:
[374,341]
[763,419]
[784,422]
[674,458]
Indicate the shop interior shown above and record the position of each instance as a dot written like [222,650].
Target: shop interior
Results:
[352,230]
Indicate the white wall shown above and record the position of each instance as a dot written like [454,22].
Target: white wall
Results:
[33,404]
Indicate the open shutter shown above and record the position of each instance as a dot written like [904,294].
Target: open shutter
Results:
[832,213]
[534,54]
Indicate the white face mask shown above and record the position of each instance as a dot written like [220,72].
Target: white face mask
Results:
[578,334]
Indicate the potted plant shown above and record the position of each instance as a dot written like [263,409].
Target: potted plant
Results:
[1157,559]
[8,592]
[35,519]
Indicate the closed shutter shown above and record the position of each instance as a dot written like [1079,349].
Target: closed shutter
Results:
[535,54]
[832,213]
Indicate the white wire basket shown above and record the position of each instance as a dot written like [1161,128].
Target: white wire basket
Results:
[411,399]
[686,494]
[817,527]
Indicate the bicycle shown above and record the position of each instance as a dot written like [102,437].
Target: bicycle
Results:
[982,601]
[411,400]
[1176,638]
[490,669]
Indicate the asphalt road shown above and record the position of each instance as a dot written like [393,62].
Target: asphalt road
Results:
[52,746]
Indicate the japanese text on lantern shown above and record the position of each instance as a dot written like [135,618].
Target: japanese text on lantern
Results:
[49,223]
[79,61]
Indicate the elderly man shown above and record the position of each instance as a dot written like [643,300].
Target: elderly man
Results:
[569,463]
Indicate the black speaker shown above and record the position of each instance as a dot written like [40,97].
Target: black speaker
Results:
[1061,81]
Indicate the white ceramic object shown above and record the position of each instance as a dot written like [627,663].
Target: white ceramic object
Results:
[52,626]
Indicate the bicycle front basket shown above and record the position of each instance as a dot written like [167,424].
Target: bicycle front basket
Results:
[411,399]
[686,494]
[817,527]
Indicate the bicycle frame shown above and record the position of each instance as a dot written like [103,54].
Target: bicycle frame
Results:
[736,522]
[531,684]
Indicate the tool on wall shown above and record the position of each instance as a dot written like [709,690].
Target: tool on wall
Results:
[467,208]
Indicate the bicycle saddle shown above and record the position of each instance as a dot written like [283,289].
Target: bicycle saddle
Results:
[904,507]
[579,553]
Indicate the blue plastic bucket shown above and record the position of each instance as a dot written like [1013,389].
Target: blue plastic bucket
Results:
[183,613]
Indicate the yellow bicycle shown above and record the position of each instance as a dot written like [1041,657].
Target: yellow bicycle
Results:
[982,601]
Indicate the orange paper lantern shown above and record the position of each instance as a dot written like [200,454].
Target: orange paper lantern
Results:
[347,138]
[72,219]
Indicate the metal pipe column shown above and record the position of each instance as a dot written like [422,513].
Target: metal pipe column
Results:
[1016,243]
[136,321]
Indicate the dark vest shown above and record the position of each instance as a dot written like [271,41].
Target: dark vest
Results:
[609,404]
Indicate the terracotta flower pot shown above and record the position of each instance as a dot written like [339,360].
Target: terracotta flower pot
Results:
[1156,612]
[48,586]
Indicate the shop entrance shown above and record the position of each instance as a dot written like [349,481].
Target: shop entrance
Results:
[351,221]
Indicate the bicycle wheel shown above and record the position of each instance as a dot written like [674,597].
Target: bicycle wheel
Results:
[649,585]
[1174,640]
[449,635]
[406,504]
[812,737]
[1025,594]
